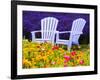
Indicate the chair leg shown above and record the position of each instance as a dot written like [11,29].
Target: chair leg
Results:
[53,43]
[69,49]
[69,46]
[78,45]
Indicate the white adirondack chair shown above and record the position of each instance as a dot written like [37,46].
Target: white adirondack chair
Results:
[48,30]
[76,31]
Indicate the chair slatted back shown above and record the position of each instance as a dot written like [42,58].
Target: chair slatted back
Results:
[48,27]
[77,27]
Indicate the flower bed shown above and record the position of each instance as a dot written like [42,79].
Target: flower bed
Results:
[44,55]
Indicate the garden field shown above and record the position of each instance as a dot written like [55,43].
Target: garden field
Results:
[46,55]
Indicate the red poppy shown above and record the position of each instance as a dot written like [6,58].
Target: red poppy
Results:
[55,48]
[73,53]
[65,65]
[81,62]
[65,61]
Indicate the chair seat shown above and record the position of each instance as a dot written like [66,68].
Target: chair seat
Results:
[61,41]
[41,40]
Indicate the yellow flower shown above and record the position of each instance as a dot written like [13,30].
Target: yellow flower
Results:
[25,50]
[31,49]
[44,58]
[33,60]
[38,57]
[78,60]
[47,61]
[27,63]
[62,50]
[58,62]
[50,52]
[33,66]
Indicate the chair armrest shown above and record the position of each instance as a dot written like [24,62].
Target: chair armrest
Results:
[40,31]
[77,33]
[57,33]
[63,32]
[35,31]
[33,34]
[72,32]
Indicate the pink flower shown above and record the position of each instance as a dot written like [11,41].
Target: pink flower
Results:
[73,53]
[65,61]
[67,58]
[81,62]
